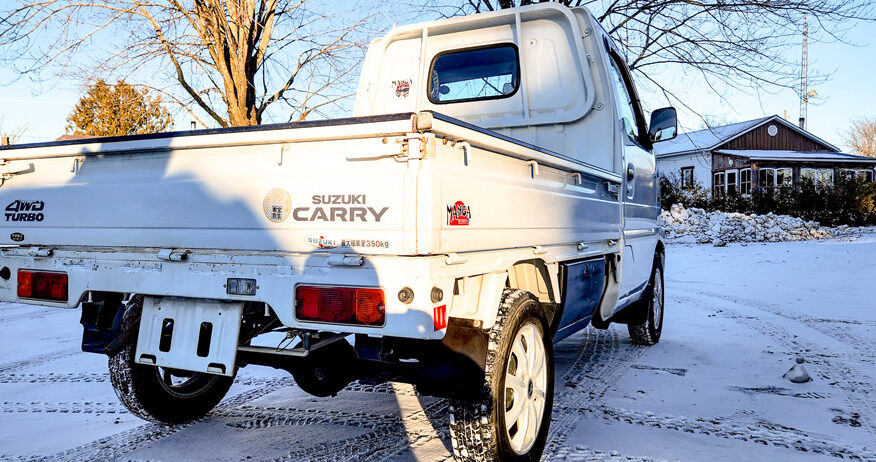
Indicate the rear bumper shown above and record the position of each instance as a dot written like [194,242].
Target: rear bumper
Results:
[203,275]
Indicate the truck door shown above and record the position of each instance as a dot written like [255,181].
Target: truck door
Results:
[639,191]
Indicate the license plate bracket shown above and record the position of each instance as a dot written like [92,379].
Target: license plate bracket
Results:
[189,334]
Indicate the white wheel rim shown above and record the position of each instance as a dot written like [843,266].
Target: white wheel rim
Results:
[525,388]
[658,299]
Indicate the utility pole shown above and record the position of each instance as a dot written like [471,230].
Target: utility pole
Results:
[804,87]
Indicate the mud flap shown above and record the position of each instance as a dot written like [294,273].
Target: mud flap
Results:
[188,334]
[101,321]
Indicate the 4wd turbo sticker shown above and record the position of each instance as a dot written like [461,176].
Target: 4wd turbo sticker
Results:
[458,214]
[343,207]
[25,211]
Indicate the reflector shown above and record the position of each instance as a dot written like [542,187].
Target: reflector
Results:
[440,314]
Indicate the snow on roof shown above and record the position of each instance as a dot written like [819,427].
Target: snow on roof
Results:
[706,138]
[710,138]
[812,156]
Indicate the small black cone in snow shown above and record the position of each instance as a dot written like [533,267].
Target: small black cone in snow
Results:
[798,373]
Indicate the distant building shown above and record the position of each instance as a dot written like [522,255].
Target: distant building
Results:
[762,153]
[66,137]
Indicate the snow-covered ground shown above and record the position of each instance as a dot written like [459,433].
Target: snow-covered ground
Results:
[737,319]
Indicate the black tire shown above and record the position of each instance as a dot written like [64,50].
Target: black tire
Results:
[150,393]
[649,331]
[477,428]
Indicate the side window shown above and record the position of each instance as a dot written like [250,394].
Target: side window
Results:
[687,177]
[718,184]
[624,102]
[745,181]
[731,182]
[474,74]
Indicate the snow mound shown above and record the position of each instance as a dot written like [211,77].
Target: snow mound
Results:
[697,226]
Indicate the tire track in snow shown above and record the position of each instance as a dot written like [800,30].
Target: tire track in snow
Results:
[600,365]
[825,326]
[115,446]
[859,395]
[37,360]
[63,407]
[762,432]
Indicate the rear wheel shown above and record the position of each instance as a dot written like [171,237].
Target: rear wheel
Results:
[158,394]
[511,421]
[648,332]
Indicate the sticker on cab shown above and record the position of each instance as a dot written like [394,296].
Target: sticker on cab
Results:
[458,214]
[277,205]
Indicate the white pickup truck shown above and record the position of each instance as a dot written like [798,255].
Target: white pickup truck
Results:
[494,193]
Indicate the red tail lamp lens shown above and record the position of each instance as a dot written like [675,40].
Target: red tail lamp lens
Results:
[42,285]
[345,305]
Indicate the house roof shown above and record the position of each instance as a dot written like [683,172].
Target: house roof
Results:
[808,156]
[710,138]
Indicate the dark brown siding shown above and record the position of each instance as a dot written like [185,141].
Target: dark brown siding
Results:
[722,162]
[785,140]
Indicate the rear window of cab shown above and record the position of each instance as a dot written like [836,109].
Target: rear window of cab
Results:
[474,74]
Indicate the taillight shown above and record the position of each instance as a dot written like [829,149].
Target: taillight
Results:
[346,305]
[42,285]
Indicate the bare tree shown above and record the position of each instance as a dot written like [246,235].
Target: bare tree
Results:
[13,134]
[736,44]
[861,137]
[230,59]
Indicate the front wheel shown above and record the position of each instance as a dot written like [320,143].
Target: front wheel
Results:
[648,332]
[157,394]
[511,421]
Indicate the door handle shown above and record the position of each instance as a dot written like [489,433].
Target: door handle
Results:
[631,172]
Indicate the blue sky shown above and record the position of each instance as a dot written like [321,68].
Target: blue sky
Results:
[850,93]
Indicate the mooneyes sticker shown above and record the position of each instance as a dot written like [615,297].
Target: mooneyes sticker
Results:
[277,205]
[402,88]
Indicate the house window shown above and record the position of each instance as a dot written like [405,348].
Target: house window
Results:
[766,178]
[745,181]
[821,177]
[687,177]
[731,182]
[825,177]
[784,177]
[808,175]
[718,184]
[860,175]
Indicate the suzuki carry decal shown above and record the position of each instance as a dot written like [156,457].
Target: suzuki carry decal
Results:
[365,214]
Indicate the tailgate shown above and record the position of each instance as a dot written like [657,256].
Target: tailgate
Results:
[298,189]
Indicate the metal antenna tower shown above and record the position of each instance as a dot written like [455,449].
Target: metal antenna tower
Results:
[804,90]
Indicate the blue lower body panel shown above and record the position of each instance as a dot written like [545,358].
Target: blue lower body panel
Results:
[584,284]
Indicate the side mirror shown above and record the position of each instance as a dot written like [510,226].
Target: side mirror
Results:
[664,125]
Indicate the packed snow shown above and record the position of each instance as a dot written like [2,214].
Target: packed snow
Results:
[738,318]
[695,225]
